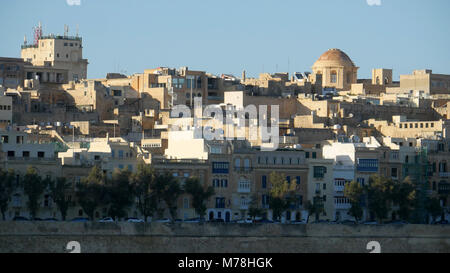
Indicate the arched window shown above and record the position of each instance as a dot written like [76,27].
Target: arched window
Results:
[333,78]
[349,77]
[378,80]
[237,163]
[247,164]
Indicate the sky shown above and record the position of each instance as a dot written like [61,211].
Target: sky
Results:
[230,36]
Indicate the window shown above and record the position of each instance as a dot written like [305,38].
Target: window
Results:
[265,201]
[5,139]
[11,154]
[215,183]
[117,93]
[307,155]
[298,179]
[120,153]
[361,181]
[333,77]
[247,164]
[220,167]
[324,186]
[319,171]
[288,179]
[224,183]
[237,163]
[220,203]
[314,155]
[394,173]
[26,154]
[367,165]
[264,182]
[244,186]
[186,203]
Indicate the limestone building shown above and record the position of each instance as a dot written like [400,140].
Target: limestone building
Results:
[59,52]
[337,69]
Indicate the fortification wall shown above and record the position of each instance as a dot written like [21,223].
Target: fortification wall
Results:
[219,238]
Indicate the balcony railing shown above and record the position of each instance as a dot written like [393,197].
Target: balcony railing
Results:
[244,189]
[442,174]
[243,169]
[343,206]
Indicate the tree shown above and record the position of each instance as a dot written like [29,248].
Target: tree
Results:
[433,206]
[59,191]
[315,207]
[7,187]
[33,186]
[171,193]
[354,191]
[91,191]
[380,194]
[280,194]
[142,182]
[199,194]
[254,211]
[404,194]
[119,193]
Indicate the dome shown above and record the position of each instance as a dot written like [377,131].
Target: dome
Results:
[334,57]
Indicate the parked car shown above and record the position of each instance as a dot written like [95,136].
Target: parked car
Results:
[80,219]
[50,220]
[106,220]
[20,219]
[348,222]
[298,223]
[245,221]
[397,222]
[441,222]
[370,223]
[164,220]
[321,222]
[193,220]
[134,220]
[265,221]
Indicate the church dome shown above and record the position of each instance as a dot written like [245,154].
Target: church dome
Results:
[334,57]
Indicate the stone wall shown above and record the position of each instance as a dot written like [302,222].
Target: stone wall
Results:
[219,238]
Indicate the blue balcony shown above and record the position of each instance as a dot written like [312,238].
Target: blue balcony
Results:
[367,165]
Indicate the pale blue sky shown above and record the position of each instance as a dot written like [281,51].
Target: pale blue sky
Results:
[232,35]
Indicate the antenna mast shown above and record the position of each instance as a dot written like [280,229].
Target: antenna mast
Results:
[37,34]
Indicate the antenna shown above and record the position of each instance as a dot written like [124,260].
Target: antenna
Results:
[37,34]
[77,29]
[25,40]
[66,30]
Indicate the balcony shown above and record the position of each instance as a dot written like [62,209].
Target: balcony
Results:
[244,190]
[444,188]
[243,169]
[444,174]
[339,188]
[244,207]
[343,206]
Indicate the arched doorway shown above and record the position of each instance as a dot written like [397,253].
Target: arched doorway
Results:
[211,215]
[227,217]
